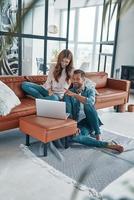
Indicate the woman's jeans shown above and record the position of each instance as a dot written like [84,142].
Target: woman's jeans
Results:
[87,125]
[38,91]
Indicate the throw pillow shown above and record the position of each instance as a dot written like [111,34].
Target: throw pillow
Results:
[8,99]
[90,84]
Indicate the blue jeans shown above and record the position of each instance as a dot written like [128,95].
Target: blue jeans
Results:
[87,125]
[85,138]
[38,91]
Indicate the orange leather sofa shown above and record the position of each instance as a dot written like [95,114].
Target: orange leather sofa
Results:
[111,92]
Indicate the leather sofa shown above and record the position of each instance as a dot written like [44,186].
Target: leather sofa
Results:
[111,92]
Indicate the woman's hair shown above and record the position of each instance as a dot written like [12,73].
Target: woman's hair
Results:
[58,68]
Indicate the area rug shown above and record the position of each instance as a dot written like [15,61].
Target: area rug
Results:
[25,176]
[101,166]
[122,188]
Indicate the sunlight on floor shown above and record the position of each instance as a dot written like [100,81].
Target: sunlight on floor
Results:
[122,123]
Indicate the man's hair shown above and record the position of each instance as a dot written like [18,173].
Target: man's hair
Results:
[79,71]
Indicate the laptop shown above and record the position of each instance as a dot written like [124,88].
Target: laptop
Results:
[51,109]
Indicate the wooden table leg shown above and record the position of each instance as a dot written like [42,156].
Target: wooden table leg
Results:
[66,143]
[45,149]
[27,140]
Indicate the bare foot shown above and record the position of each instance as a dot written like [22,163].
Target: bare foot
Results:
[98,137]
[116,147]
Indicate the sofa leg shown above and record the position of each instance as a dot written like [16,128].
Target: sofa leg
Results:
[45,149]
[116,108]
[121,108]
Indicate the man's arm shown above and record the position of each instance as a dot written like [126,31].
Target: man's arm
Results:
[80,98]
[90,96]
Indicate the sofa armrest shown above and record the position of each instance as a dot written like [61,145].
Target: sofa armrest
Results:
[118,84]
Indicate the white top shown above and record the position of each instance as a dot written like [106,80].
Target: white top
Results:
[56,87]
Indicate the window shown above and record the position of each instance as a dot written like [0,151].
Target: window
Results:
[84,56]
[112,25]
[32,49]
[55,18]
[32,56]
[86,24]
[108,65]
[34,22]
[85,38]
[9,64]
[44,32]
[54,47]
[107,41]
[8,15]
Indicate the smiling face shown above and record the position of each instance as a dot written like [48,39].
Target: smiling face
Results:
[65,62]
[78,81]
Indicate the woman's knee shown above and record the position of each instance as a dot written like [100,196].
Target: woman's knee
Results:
[25,85]
[54,98]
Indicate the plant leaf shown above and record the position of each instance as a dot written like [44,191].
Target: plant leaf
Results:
[115,5]
[105,9]
[9,36]
[126,5]
[80,180]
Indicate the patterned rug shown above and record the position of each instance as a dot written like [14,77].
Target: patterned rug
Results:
[25,176]
[93,167]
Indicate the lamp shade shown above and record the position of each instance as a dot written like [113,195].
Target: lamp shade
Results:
[53,29]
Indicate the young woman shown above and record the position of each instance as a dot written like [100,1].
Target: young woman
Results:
[59,77]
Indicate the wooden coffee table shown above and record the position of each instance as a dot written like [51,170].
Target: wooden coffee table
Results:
[47,129]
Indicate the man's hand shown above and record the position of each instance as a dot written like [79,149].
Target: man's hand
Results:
[80,98]
[69,93]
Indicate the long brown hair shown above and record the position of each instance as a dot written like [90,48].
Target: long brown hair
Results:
[58,68]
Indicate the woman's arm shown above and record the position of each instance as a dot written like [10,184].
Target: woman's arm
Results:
[48,83]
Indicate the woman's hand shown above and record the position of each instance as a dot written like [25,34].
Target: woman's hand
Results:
[50,92]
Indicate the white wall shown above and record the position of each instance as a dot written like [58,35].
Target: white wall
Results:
[125,42]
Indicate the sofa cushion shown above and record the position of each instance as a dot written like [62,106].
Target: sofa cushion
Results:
[14,82]
[108,94]
[27,107]
[100,78]
[8,99]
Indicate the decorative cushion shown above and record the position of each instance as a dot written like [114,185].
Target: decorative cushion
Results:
[90,84]
[8,99]
[100,78]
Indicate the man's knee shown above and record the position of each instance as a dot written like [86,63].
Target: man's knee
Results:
[66,98]
[88,107]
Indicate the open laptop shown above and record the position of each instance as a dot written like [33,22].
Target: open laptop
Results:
[52,109]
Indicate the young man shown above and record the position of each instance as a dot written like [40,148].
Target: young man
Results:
[80,101]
